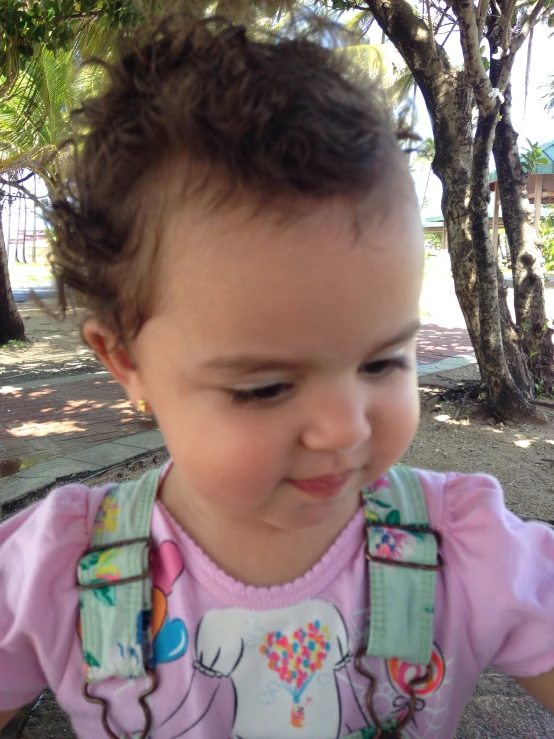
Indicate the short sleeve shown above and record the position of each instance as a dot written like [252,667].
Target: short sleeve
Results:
[39,549]
[504,569]
[219,644]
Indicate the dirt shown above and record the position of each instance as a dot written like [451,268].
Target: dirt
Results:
[53,348]
[459,435]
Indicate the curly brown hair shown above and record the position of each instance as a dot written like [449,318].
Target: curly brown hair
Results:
[195,103]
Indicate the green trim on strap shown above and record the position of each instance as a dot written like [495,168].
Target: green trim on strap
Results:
[116,615]
[401,598]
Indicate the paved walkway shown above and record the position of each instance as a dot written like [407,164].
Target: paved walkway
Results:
[83,423]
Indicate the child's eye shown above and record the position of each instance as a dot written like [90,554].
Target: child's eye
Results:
[385,366]
[261,393]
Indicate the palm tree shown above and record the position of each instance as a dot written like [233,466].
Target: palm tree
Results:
[549,97]
[34,121]
[424,156]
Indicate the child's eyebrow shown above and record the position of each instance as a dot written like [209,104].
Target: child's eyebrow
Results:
[405,335]
[251,364]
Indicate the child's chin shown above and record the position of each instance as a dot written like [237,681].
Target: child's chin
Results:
[316,512]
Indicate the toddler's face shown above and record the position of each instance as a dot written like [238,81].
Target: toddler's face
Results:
[280,360]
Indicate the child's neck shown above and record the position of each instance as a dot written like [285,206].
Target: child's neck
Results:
[252,553]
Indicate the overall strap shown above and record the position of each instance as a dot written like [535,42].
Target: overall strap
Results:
[403,561]
[115,584]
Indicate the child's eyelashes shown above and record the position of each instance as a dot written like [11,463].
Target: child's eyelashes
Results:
[274,392]
[383,367]
[260,393]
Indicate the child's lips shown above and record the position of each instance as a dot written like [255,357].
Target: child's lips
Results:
[326,486]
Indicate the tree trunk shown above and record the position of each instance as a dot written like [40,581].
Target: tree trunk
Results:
[501,364]
[11,325]
[462,167]
[34,221]
[17,259]
[23,252]
[449,99]
[525,254]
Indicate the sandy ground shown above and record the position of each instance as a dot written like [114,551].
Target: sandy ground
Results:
[458,436]
[54,347]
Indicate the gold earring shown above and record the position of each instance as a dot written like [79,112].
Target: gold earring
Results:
[142,406]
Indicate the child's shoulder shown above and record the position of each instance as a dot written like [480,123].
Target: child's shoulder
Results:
[455,498]
[479,532]
[499,570]
[483,540]
[64,518]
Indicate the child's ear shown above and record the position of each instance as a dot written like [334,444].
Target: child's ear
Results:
[116,359]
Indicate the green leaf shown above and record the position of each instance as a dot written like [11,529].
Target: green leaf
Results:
[90,660]
[106,596]
[89,561]
[381,504]
[393,517]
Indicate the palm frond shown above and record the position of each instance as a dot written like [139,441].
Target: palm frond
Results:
[360,22]
[38,160]
[549,97]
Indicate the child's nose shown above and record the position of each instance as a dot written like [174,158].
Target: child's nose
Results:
[338,421]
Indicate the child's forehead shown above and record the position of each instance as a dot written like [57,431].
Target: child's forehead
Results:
[223,219]
[266,269]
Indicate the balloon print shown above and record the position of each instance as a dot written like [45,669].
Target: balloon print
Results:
[296,659]
[401,673]
[170,636]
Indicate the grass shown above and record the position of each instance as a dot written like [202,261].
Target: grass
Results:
[13,342]
[29,274]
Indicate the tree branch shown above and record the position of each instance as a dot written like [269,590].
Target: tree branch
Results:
[516,43]
[473,64]
[431,28]
[448,35]
[482,16]
[507,21]
[531,21]
[27,193]
[412,37]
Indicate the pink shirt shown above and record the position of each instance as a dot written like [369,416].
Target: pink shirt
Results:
[222,648]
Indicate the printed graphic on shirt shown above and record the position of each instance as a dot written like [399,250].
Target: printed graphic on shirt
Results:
[170,635]
[292,676]
[290,671]
[401,674]
[282,665]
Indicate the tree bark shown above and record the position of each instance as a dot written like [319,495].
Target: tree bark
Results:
[508,399]
[11,324]
[525,254]
[449,98]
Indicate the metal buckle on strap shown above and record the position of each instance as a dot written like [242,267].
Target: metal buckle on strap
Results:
[382,733]
[117,545]
[413,529]
[142,702]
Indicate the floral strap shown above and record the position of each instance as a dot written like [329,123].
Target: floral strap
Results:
[115,584]
[403,561]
